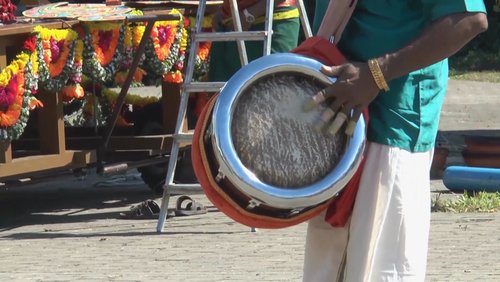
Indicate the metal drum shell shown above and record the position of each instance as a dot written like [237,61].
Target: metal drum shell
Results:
[242,177]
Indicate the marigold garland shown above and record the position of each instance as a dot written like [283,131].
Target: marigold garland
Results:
[202,59]
[162,48]
[103,50]
[56,59]
[15,97]
[56,50]
[104,99]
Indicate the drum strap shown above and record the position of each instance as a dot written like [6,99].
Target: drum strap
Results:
[335,20]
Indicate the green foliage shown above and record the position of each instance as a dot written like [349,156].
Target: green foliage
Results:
[468,202]
[483,52]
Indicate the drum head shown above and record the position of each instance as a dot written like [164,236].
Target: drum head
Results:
[275,139]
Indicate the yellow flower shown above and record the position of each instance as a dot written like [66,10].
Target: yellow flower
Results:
[79,50]
[34,62]
[56,34]
[206,23]
[138,31]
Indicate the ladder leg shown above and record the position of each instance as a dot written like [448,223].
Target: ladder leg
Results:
[304,19]
[268,26]
[180,120]
[163,211]
[237,27]
[188,86]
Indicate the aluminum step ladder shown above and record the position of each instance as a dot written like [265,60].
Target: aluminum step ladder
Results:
[180,136]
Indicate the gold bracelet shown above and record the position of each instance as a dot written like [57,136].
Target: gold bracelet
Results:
[377,74]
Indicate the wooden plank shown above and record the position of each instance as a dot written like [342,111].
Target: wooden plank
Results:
[151,142]
[34,164]
[171,98]
[27,27]
[5,152]
[51,123]
[3,53]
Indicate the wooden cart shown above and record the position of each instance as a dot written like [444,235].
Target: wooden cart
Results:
[55,150]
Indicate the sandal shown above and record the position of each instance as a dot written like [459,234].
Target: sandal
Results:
[148,209]
[191,208]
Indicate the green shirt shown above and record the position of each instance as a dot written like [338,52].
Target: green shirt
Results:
[408,115]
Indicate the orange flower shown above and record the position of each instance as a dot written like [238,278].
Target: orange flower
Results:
[204,50]
[105,56]
[71,92]
[56,68]
[35,103]
[174,77]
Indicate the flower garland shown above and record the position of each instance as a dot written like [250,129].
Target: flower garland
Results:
[15,97]
[130,44]
[202,60]
[56,49]
[175,74]
[162,48]
[73,89]
[103,50]
[105,99]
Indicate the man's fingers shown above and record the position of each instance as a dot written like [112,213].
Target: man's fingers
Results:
[332,70]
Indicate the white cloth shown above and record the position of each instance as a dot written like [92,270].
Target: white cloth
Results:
[387,237]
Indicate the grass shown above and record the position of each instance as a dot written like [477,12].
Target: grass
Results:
[485,76]
[468,202]
[476,65]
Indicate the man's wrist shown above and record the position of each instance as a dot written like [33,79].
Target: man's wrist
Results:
[378,75]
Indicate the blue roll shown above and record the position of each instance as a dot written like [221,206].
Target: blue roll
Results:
[472,178]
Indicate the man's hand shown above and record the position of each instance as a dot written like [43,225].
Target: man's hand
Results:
[353,91]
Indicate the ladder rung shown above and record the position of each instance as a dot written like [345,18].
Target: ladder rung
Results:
[203,86]
[231,36]
[176,188]
[183,137]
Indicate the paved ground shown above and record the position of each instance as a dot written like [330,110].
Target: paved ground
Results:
[70,231]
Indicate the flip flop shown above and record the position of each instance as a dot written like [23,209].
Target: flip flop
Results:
[190,208]
[148,209]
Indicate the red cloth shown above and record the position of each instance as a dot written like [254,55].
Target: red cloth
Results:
[339,210]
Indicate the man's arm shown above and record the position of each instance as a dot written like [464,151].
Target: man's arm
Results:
[355,87]
[443,38]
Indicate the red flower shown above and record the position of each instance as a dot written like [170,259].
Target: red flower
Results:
[30,44]
[8,94]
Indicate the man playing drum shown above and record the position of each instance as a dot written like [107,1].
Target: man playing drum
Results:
[398,69]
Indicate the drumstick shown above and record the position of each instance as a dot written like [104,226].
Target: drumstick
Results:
[351,125]
[314,101]
[324,118]
[337,123]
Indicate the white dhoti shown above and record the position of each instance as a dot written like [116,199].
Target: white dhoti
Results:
[387,236]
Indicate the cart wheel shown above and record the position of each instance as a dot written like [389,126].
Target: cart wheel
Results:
[148,123]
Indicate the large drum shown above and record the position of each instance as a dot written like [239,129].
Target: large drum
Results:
[257,154]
